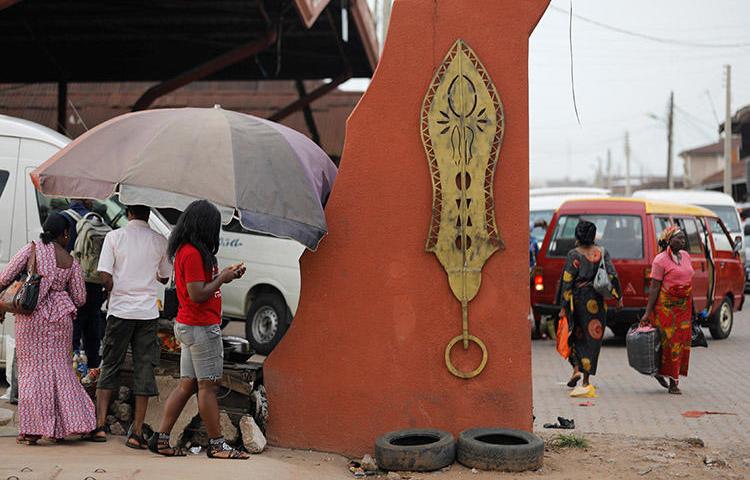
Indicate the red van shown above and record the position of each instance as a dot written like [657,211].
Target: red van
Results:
[628,228]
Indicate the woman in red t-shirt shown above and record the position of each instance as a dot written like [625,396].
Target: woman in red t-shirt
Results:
[193,245]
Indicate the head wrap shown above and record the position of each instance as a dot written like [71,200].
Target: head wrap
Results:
[585,232]
[666,236]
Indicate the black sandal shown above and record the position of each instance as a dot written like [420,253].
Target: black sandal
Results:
[93,435]
[662,381]
[574,380]
[24,439]
[225,452]
[141,442]
[159,443]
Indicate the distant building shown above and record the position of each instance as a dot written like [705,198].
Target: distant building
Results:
[705,161]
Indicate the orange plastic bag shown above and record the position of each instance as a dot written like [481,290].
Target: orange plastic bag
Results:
[563,332]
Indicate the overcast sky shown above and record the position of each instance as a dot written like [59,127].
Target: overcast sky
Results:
[620,79]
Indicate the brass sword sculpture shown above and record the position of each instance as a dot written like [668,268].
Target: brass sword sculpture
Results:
[462,126]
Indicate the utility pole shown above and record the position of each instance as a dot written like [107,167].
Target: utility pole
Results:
[728,133]
[627,164]
[670,126]
[609,169]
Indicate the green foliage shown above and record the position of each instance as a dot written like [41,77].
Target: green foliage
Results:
[570,441]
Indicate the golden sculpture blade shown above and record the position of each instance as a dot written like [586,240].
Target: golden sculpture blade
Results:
[462,128]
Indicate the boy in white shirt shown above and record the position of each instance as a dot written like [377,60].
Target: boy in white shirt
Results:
[132,263]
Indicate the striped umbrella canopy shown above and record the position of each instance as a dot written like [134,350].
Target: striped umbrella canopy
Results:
[273,179]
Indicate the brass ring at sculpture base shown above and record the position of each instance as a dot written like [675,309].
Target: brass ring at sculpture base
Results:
[458,372]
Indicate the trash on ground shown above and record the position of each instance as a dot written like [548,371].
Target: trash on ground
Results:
[562,423]
[698,413]
[586,404]
[584,392]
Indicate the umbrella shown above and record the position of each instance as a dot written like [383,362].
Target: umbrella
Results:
[273,179]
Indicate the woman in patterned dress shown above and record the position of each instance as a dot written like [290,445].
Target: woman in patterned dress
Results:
[584,307]
[51,402]
[670,306]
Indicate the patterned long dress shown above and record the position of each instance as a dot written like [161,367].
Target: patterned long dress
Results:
[585,308]
[673,312]
[51,401]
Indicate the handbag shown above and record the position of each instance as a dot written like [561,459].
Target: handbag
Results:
[697,337]
[562,335]
[602,283]
[21,296]
[171,302]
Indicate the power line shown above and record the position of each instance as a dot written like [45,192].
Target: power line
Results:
[669,41]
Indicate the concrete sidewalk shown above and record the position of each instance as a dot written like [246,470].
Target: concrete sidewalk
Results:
[633,404]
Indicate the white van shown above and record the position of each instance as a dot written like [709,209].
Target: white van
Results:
[720,203]
[543,202]
[265,298]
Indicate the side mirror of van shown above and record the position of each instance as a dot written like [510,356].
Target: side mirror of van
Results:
[737,245]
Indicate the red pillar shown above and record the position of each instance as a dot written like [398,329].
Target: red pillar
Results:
[365,352]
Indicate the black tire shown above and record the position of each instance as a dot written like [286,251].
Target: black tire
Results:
[416,450]
[722,322]
[619,329]
[500,449]
[267,321]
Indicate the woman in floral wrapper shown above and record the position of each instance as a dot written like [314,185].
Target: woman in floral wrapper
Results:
[670,306]
[584,306]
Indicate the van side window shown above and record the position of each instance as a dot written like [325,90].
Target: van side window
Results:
[694,244]
[660,224]
[621,235]
[4,174]
[721,239]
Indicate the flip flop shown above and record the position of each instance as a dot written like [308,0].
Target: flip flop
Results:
[574,381]
[93,436]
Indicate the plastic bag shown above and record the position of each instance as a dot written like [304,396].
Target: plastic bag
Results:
[698,339]
[563,332]
[602,283]
[644,349]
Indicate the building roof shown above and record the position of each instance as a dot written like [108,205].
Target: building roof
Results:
[117,41]
[713,148]
[94,103]
[738,174]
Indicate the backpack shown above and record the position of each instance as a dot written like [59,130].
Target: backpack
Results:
[602,284]
[90,231]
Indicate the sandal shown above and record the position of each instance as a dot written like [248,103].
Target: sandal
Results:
[93,435]
[675,390]
[662,381]
[574,380]
[136,442]
[159,443]
[24,439]
[225,452]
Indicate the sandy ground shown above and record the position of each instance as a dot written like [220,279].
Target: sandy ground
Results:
[609,456]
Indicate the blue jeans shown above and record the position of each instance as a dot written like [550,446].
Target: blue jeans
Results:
[202,350]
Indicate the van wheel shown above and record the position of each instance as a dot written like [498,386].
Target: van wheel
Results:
[722,321]
[267,321]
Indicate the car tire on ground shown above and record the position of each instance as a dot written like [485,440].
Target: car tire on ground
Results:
[500,449]
[721,323]
[416,450]
[267,321]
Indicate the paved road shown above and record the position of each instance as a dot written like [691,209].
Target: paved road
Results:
[633,404]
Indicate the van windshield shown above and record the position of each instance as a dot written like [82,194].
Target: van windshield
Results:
[727,214]
[621,235]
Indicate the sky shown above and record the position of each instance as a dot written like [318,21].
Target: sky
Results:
[622,81]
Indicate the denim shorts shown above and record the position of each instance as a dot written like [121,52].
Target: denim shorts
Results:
[202,350]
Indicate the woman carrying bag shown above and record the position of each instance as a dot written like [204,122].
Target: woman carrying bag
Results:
[51,401]
[583,304]
[670,306]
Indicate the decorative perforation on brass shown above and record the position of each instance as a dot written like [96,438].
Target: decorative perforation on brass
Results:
[462,129]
